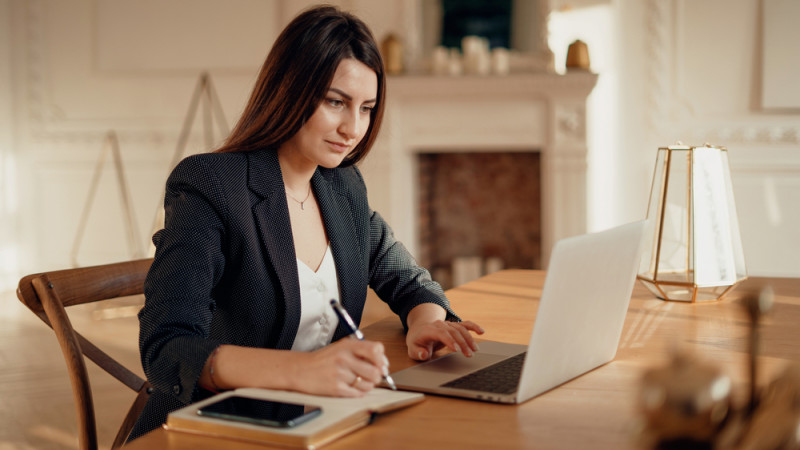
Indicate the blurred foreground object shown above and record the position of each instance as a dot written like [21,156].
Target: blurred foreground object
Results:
[775,424]
[685,404]
[688,403]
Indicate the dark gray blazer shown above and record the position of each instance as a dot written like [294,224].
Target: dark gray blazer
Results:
[225,270]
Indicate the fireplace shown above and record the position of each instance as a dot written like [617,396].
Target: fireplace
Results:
[541,115]
[478,212]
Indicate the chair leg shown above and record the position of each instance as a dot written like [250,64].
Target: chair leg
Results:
[132,416]
[73,356]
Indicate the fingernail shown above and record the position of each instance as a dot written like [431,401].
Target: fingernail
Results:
[421,355]
[457,347]
[385,370]
[385,361]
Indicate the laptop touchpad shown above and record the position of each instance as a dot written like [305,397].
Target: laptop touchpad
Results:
[456,363]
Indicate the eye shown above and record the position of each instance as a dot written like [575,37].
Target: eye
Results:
[366,109]
[335,102]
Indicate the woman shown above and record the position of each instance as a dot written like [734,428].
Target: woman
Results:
[260,235]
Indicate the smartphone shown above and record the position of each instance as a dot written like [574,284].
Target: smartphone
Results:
[261,412]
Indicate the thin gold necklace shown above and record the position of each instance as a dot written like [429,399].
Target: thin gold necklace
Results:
[308,194]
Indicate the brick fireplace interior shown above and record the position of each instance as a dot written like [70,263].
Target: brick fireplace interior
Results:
[478,212]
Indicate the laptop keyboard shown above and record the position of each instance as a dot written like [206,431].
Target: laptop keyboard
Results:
[499,378]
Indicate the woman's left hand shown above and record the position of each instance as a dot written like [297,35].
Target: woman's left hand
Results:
[424,338]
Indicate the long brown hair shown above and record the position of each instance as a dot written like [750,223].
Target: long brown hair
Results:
[296,76]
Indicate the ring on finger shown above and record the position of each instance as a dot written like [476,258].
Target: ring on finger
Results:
[355,381]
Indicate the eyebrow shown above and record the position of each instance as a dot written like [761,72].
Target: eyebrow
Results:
[349,97]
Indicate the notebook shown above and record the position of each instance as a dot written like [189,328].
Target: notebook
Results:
[339,416]
[577,328]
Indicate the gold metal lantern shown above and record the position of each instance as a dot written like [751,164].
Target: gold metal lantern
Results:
[696,251]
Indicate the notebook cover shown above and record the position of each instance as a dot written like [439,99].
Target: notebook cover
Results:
[340,416]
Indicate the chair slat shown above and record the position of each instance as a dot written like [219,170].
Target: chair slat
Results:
[95,283]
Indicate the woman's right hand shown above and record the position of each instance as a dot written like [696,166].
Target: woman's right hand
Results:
[345,368]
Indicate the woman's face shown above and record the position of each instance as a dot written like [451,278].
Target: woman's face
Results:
[340,121]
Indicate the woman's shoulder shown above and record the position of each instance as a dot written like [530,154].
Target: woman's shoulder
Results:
[210,170]
[214,159]
[207,163]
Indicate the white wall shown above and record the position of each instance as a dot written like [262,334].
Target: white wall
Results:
[596,25]
[70,71]
[82,68]
[8,194]
[703,84]
[675,70]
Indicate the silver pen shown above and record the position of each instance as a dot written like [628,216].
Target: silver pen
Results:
[345,318]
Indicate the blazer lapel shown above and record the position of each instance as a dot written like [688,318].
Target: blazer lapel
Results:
[272,218]
[346,247]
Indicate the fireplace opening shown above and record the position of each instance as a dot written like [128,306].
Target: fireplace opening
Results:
[478,212]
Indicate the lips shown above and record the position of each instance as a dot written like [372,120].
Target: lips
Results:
[339,147]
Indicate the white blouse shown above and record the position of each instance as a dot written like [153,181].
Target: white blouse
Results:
[318,321]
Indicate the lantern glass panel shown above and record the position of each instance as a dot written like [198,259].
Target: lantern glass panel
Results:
[696,251]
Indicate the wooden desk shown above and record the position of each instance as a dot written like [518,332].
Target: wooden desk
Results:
[597,410]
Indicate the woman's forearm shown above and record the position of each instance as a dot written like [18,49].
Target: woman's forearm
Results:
[231,367]
[345,368]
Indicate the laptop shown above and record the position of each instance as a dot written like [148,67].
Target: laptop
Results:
[578,326]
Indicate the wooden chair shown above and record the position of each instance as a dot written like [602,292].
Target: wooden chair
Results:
[47,295]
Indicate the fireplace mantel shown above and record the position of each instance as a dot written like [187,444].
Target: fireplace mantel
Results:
[537,112]
[578,83]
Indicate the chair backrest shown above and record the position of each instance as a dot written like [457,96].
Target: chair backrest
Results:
[47,294]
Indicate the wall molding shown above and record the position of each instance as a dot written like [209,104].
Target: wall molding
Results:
[47,125]
[51,129]
[666,101]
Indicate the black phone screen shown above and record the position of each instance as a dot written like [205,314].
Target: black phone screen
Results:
[261,412]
